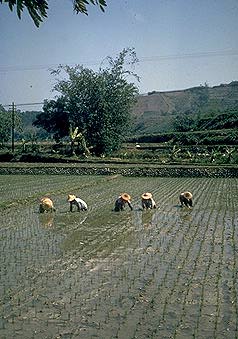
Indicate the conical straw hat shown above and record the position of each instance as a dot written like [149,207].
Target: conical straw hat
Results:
[71,197]
[146,195]
[188,195]
[125,196]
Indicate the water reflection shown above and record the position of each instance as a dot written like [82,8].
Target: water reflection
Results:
[147,219]
[99,235]
[185,214]
[46,220]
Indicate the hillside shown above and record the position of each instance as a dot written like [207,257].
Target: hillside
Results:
[29,131]
[155,112]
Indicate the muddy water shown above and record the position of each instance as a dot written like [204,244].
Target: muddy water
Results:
[166,273]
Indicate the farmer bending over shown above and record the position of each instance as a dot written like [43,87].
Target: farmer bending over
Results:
[73,200]
[121,202]
[147,201]
[46,205]
[186,198]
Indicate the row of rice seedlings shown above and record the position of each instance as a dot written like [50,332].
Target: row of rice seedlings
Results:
[25,189]
[208,277]
[22,254]
[223,306]
[234,240]
[191,263]
[172,267]
[147,285]
[145,261]
[90,304]
[193,271]
[220,221]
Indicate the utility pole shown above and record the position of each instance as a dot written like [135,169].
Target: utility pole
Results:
[13,127]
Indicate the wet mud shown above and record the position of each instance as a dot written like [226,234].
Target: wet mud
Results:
[164,273]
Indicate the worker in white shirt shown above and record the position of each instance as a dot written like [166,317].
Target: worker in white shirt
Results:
[81,204]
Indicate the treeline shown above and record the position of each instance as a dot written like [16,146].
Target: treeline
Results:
[209,137]
[201,129]
[228,119]
[91,110]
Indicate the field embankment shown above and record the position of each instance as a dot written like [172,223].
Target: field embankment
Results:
[133,169]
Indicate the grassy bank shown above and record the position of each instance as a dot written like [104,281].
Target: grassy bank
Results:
[124,169]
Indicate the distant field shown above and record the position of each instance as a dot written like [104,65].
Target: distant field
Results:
[166,273]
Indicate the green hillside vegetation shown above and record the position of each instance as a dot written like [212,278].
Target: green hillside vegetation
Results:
[193,125]
[28,130]
[228,119]
[193,109]
[196,125]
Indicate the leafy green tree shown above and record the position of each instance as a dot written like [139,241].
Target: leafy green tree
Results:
[98,103]
[5,126]
[6,123]
[37,9]
[27,130]
[184,122]
[54,118]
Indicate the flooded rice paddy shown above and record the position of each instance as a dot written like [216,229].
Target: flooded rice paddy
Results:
[165,273]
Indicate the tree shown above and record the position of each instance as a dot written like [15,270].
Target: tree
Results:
[54,118]
[184,122]
[27,130]
[38,8]
[98,103]
[5,126]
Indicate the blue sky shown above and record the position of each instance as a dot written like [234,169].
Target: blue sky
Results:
[179,44]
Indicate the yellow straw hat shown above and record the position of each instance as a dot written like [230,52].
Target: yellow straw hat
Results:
[71,197]
[146,195]
[46,202]
[125,196]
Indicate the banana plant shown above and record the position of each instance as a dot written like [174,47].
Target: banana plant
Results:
[76,136]
[174,152]
[229,153]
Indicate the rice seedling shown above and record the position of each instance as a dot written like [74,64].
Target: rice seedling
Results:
[168,272]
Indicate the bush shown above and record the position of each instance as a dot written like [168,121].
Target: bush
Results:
[6,157]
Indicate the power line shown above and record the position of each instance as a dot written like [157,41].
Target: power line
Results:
[46,67]
[27,104]
[191,55]
[155,58]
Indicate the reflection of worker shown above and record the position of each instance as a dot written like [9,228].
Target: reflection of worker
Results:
[81,204]
[47,220]
[147,201]
[186,199]
[121,202]
[46,205]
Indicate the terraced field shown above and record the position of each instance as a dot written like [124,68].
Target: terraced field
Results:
[166,273]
